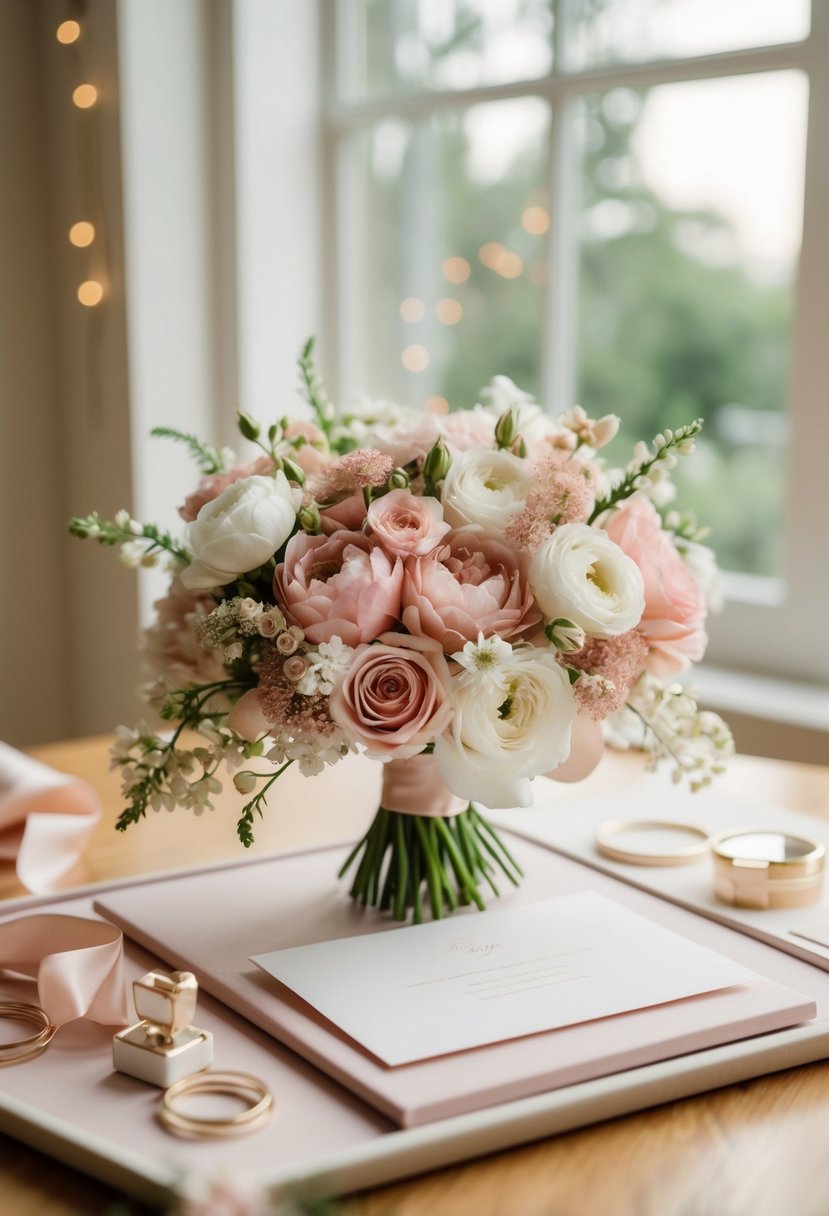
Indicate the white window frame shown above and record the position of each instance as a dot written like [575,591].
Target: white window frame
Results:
[771,627]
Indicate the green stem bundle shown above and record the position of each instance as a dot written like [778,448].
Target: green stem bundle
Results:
[400,855]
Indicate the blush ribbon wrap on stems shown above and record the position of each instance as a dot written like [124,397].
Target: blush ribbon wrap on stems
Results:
[46,818]
[415,787]
[78,965]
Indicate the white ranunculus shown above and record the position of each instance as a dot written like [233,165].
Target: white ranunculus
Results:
[240,530]
[508,730]
[485,488]
[581,574]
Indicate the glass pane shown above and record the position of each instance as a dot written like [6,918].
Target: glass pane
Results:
[406,46]
[691,223]
[614,31]
[447,273]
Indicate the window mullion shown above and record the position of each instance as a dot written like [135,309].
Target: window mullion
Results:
[560,330]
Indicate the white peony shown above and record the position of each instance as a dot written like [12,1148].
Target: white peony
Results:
[240,530]
[485,488]
[581,574]
[505,731]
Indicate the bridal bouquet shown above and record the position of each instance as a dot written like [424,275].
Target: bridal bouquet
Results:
[465,598]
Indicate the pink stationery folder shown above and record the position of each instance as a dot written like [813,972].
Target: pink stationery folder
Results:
[211,923]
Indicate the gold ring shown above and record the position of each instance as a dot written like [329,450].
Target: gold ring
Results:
[679,857]
[229,1084]
[33,1045]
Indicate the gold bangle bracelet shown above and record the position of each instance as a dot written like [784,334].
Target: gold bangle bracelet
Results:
[25,1049]
[227,1084]
[676,857]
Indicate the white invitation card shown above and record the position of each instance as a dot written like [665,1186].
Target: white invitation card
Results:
[423,991]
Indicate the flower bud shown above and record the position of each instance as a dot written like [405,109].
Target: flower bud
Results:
[245,781]
[293,472]
[399,480]
[506,428]
[565,635]
[248,427]
[437,463]
[605,430]
[310,519]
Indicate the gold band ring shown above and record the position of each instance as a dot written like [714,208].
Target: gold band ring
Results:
[228,1084]
[32,1045]
[677,857]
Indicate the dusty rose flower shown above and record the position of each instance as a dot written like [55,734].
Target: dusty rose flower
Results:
[406,524]
[464,429]
[468,586]
[341,585]
[410,438]
[172,651]
[309,457]
[348,515]
[295,667]
[286,643]
[673,622]
[211,487]
[395,698]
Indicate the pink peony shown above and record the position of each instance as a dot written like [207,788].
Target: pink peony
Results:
[468,586]
[211,487]
[674,617]
[464,429]
[410,438]
[395,698]
[406,524]
[172,651]
[339,586]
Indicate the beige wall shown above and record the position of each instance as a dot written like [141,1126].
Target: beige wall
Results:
[68,613]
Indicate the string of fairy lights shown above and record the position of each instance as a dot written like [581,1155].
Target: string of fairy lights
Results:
[83,232]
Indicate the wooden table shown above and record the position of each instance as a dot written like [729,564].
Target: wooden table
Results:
[749,1150]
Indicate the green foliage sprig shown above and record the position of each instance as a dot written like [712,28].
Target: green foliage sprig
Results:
[640,473]
[113,532]
[209,459]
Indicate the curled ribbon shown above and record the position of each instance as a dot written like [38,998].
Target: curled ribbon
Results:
[78,965]
[45,820]
[415,787]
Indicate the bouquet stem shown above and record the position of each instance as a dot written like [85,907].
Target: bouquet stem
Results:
[403,854]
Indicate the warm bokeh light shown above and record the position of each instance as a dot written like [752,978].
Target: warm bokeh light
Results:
[456,270]
[90,293]
[84,96]
[415,358]
[503,261]
[82,234]
[535,220]
[490,254]
[449,311]
[68,31]
[436,405]
[412,309]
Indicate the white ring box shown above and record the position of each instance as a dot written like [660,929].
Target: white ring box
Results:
[163,1047]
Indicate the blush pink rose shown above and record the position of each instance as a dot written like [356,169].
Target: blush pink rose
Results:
[408,439]
[338,586]
[211,487]
[673,622]
[395,698]
[470,585]
[465,429]
[406,524]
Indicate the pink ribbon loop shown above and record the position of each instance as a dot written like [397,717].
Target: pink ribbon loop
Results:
[45,820]
[78,965]
[414,787]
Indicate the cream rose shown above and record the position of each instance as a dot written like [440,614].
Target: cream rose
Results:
[511,723]
[581,574]
[486,489]
[240,530]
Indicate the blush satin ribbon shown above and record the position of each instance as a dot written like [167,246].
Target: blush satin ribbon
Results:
[46,819]
[414,787]
[78,965]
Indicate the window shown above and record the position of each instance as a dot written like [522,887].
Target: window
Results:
[613,202]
